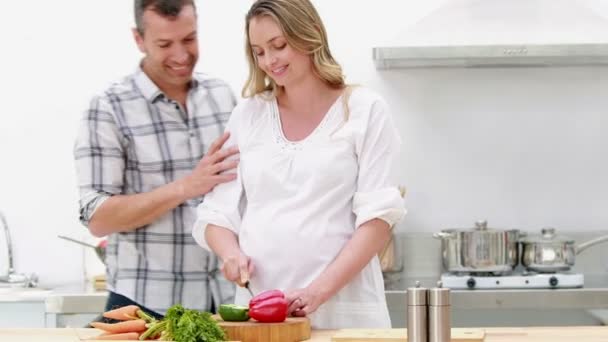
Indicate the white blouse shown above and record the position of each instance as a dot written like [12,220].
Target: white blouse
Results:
[295,204]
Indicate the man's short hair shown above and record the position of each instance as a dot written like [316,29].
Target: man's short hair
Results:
[165,8]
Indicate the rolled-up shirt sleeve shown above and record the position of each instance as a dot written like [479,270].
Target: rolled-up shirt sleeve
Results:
[378,149]
[224,205]
[99,158]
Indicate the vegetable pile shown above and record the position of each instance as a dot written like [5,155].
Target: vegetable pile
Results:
[186,325]
[180,325]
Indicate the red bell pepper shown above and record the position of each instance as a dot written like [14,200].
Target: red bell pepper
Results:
[269,307]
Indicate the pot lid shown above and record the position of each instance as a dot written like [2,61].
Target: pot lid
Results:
[480,226]
[548,235]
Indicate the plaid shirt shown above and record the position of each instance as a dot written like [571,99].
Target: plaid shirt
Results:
[131,140]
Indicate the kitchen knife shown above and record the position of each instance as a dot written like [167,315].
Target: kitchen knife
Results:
[248,289]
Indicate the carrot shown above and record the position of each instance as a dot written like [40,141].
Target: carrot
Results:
[136,325]
[113,337]
[123,313]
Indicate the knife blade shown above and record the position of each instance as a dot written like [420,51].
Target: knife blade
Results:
[76,241]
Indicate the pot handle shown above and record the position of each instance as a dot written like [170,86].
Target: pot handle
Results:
[587,244]
[442,235]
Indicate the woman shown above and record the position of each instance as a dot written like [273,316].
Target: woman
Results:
[312,205]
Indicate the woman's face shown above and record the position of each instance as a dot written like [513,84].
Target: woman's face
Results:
[279,60]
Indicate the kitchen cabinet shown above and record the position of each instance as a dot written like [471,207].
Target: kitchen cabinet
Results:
[74,307]
[492,308]
[19,314]
[69,307]
[22,307]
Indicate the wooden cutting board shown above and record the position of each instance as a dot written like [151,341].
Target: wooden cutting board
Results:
[400,335]
[291,330]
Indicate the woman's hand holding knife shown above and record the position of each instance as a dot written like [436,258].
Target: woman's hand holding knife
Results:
[238,269]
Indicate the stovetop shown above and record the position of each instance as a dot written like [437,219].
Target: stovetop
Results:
[513,281]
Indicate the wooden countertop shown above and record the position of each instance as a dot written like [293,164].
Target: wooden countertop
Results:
[536,334]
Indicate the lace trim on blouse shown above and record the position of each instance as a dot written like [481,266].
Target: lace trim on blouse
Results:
[286,144]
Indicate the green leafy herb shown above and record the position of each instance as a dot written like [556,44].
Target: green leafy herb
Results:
[185,325]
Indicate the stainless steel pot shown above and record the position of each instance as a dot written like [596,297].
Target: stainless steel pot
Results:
[479,250]
[550,253]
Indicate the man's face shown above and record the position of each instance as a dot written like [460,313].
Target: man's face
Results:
[170,46]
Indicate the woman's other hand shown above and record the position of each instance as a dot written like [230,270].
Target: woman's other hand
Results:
[303,302]
[238,269]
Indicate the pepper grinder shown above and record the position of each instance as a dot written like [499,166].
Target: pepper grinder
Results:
[417,314]
[440,325]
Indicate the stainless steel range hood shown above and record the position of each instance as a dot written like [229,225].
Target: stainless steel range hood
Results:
[501,33]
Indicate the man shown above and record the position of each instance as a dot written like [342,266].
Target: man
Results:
[140,172]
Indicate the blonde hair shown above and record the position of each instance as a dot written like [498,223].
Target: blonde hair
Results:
[304,31]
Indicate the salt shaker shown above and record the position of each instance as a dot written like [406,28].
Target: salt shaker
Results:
[440,325]
[417,314]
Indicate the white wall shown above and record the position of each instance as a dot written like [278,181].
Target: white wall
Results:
[520,147]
